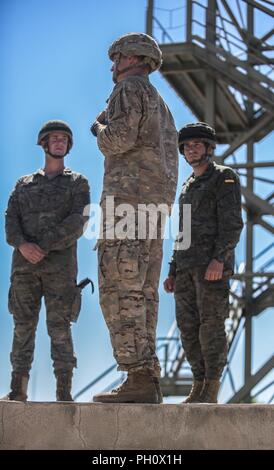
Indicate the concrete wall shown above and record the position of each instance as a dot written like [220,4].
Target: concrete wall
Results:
[107,426]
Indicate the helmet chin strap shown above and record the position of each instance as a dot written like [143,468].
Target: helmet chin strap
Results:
[118,71]
[56,157]
[204,158]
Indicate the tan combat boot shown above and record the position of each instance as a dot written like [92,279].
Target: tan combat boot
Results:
[19,387]
[210,391]
[138,388]
[195,392]
[101,397]
[63,390]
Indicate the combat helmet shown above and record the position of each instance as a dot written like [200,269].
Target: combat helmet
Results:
[197,130]
[55,126]
[139,44]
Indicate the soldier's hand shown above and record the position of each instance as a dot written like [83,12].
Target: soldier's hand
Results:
[169,284]
[94,128]
[214,271]
[31,252]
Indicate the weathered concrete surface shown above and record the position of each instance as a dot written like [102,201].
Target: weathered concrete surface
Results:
[106,426]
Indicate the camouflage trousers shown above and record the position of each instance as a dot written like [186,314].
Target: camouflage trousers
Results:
[201,309]
[129,272]
[25,294]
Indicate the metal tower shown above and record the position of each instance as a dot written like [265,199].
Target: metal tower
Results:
[224,72]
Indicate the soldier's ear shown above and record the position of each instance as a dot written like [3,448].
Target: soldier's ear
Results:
[44,144]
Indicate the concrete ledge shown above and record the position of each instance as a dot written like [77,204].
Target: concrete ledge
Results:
[163,427]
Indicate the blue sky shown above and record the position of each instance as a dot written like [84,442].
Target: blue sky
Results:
[55,65]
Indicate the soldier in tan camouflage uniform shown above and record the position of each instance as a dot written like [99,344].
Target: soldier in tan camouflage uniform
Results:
[44,219]
[199,275]
[138,139]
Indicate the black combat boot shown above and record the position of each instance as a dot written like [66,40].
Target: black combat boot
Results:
[19,387]
[139,387]
[63,391]
[195,392]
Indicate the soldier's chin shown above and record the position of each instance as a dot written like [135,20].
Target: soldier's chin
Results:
[114,77]
[198,162]
[195,163]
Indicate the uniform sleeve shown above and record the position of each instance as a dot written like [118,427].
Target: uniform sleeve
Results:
[64,234]
[229,215]
[14,232]
[124,115]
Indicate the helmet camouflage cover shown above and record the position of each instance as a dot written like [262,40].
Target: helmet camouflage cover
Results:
[55,126]
[139,44]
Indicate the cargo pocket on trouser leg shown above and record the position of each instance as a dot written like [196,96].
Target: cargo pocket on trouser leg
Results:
[132,261]
[122,261]
[128,259]
[107,263]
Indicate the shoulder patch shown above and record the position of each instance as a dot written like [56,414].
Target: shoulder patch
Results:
[229,181]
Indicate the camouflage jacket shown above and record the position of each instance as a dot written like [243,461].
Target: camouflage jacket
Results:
[139,143]
[216,220]
[48,212]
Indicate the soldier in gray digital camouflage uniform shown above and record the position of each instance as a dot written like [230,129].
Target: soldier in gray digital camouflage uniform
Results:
[44,219]
[138,139]
[199,275]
